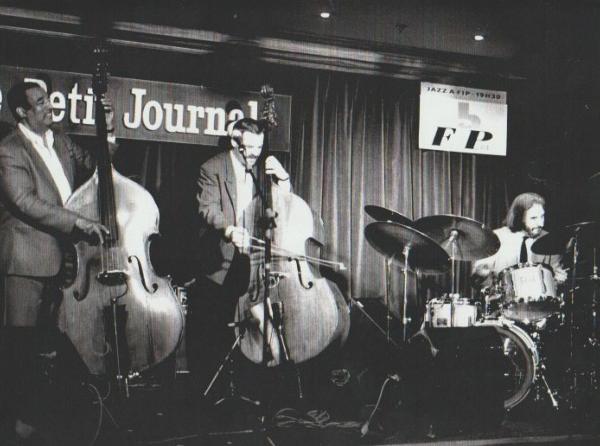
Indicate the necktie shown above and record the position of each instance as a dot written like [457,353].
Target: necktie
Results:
[523,256]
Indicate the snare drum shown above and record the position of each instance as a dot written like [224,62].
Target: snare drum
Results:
[529,293]
[451,312]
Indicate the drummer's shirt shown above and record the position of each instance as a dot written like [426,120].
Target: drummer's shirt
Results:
[510,251]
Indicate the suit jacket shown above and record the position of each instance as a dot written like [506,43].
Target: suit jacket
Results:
[217,198]
[216,207]
[32,216]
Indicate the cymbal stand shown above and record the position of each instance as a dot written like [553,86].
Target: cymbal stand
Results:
[595,279]
[452,241]
[388,295]
[571,369]
[405,318]
[552,394]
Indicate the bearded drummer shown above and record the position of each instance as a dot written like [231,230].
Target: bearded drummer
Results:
[524,225]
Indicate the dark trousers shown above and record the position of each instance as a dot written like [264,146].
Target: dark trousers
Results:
[209,338]
[28,343]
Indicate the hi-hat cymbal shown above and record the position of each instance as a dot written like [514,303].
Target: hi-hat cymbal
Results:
[383,214]
[472,240]
[556,242]
[391,239]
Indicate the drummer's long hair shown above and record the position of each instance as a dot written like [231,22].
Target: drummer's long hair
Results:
[521,203]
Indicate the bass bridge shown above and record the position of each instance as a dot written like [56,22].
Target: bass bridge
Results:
[112,277]
[275,277]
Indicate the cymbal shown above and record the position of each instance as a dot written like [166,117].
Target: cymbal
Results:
[556,242]
[383,214]
[473,239]
[390,239]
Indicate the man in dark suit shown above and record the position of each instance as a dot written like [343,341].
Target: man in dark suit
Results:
[226,191]
[39,167]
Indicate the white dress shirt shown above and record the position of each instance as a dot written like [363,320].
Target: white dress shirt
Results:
[244,187]
[44,146]
[510,252]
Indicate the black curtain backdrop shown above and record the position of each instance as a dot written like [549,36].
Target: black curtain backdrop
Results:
[354,143]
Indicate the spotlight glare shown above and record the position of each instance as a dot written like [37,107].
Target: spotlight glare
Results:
[325,14]
[479,37]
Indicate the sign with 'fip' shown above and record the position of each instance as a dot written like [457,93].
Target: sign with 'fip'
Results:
[462,119]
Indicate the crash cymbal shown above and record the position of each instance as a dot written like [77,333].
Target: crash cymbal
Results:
[473,240]
[383,214]
[391,238]
[557,242]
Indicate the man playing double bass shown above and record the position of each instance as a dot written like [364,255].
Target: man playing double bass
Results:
[39,167]
[226,189]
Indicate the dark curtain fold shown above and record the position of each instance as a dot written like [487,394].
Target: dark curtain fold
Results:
[356,143]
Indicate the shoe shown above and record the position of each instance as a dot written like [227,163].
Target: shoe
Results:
[23,430]
[28,435]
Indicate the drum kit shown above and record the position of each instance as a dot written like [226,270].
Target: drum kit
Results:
[524,304]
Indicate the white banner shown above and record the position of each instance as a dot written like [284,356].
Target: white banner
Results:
[462,119]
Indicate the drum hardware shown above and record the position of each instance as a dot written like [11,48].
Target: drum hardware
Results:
[594,278]
[388,294]
[390,238]
[382,214]
[415,249]
[461,237]
[491,301]
[570,238]
[532,297]
[552,394]
[405,318]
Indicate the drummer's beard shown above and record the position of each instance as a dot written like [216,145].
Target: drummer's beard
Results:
[534,232]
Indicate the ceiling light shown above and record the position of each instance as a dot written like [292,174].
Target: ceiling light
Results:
[479,37]
[325,14]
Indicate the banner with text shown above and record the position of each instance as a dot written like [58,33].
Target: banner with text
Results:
[462,119]
[147,110]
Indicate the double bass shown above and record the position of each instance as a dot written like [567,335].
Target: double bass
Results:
[306,312]
[119,314]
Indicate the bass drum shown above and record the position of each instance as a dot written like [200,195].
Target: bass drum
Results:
[522,361]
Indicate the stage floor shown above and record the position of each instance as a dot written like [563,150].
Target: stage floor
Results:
[176,416]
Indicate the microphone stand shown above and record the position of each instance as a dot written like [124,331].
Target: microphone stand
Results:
[272,314]
[232,393]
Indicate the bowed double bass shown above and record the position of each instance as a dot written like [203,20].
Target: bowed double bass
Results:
[120,315]
[307,313]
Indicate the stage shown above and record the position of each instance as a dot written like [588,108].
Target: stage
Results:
[151,419]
